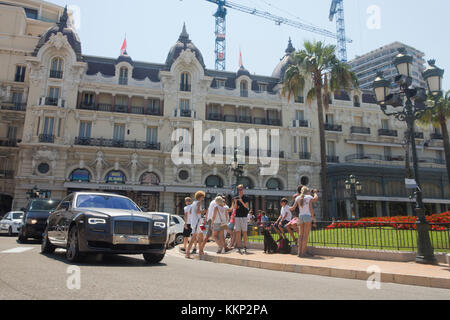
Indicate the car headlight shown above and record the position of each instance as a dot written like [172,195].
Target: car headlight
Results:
[32,221]
[160,224]
[96,221]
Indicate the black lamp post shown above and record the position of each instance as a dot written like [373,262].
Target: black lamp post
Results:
[354,187]
[238,171]
[408,105]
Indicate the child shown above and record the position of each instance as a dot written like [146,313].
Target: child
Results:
[187,226]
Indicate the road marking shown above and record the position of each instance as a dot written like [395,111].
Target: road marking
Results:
[18,250]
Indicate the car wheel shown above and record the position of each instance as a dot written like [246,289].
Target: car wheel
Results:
[72,250]
[153,258]
[46,246]
[10,233]
[22,238]
[179,239]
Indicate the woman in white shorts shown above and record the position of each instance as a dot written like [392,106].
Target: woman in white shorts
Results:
[219,222]
[196,222]
[305,219]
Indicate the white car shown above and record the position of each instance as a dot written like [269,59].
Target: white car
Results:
[176,228]
[11,222]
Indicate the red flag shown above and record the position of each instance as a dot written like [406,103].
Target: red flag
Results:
[123,50]
[241,63]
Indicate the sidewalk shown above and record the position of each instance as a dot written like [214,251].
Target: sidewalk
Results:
[408,273]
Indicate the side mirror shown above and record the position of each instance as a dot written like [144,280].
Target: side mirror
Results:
[172,224]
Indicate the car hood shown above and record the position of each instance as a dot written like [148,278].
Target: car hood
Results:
[38,214]
[115,212]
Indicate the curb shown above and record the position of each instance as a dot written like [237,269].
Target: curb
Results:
[432,282]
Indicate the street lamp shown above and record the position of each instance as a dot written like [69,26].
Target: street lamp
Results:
[408,106]
[354,187]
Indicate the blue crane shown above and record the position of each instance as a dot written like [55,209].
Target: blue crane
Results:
[337,9]
[220,32]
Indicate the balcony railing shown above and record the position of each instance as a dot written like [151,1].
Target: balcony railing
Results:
[437,136]
[229,118]
[333,127]
[332,159]
[419,135]
[305,156]
[185,87]
[185,113]
[214,116]
[46,138]
[114,143]
[274,122]
[105,107]
[121,108]
[388,133]
[55,74]
[13,106]
[378,157]
[259,120]
[9,143]
[245,119]
[299,99]
[357,104]
[432,160]
[244,93]
[360,130]
[300,123]
[123,81]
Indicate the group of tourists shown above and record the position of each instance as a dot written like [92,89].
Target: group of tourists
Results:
[222,221]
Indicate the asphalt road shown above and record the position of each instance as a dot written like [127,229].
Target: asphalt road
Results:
[27,274]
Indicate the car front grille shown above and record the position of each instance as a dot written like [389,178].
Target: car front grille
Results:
[134,228]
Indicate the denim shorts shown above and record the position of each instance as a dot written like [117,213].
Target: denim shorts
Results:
[231,226]
[305,219]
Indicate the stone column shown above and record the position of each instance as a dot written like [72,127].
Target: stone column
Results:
[409,209]
[80,97]
[378,205]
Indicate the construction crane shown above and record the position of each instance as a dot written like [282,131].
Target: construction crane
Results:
[220,30]
[337,9]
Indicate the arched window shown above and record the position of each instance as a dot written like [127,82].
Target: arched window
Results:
[115,176]
[244,88]
[150,178]
[80,175]
[274,184]
[185,82]
[56,68]
[214,182]
[246,182]
[123,76]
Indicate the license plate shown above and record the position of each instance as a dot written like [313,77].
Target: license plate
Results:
[132,239]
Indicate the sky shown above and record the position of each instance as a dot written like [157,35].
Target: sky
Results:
[152,27]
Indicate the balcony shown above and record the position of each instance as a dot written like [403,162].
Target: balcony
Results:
[46,138]
[388,133]
[360,130]
[120,108]
[437,136]
[229,118]
[9,143]
[258,120]
[357,104]
[299,99]
[6,174]
[377,157]
[419,135]
[332,159]
[432,160]
[55,74]
[123,81]
[183,113]
[13,106]
[333,127]
[305,156]
[185,87]
[113,143]
[52,101]
[245,119]
[244,93]
[300,124]
[213,116]
[274,122]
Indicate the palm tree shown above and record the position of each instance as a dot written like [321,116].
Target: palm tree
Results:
[438,117]
[318,63]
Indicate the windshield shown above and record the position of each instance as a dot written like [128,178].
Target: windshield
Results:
[17,215]
[43,205]
[105,202]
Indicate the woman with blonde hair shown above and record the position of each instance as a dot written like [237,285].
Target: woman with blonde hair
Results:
[306,217]
[219,222]
[196,221]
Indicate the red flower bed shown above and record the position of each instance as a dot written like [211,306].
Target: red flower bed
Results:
[440,222]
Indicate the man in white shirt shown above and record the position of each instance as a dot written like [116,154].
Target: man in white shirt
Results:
[187,226]
[284,218]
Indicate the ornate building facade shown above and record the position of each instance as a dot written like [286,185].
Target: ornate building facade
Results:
[75,122]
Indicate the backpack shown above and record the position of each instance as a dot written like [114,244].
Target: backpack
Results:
[284,247]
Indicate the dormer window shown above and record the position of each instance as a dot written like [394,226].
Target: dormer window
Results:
[123,76]
[185,82]
[356,101]
[262,87]
[56,68]
[244,88]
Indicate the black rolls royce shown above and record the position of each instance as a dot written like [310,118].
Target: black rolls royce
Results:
[88,222]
